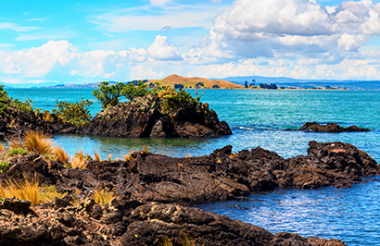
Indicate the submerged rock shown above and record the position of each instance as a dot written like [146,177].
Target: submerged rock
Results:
[331,128]
[144,117]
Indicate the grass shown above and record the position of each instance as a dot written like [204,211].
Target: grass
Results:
[17,151]
[184,238]
[97,156]
[79,160]
[61,154]
[14,143]
[101,196]
[128,157]
[2,146]
[38,142]
[109,157]
[28,189]
[46,116]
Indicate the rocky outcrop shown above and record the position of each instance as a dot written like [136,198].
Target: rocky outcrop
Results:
[216,177]
[144,117]
[123,223]
[151,191]
[331,128]
[15,122]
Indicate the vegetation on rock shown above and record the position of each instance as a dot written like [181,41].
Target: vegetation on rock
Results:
[75,113]
[6,101]
[108,95]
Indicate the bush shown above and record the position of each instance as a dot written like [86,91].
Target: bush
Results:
[4,166]
[172,99]
[108,95]
[75,113]
[17,151]
[6,101]
[130,91]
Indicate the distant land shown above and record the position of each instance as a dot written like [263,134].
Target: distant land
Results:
[290,82]
[192,82]
[230,82]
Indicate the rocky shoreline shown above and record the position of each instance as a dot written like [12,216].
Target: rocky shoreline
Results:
[153,192]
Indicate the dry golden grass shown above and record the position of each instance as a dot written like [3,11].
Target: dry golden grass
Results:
[38,142]
[145,149]
[187,82]
[13,122]
[46,116]
[101,196]
[61,154]
[79,160]
[97,156]
[128,157]
[184,238]
[109,157]
[188,155]
[2,146]
[233,155]
[28,189]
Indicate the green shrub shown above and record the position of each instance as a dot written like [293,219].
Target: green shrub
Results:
[17,151]
[130,91]
[4,166]
[76,113]
[108,95]
[6,101]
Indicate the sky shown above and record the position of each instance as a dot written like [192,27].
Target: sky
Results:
[92,40]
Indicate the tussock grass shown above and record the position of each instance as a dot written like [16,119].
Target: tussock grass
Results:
[2,146]
[109,157]
[102,196]
[28,189]
[46,116]
[128,157]
[145,149]
[184,238]
[61,154]
[38,142]
[97,156]
[79,160]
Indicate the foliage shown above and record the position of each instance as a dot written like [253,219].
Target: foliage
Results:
[79,160]
[6,101]
[4,166]
[75,113]
[28,189]
[130,91]
[102,196]
[173,99]
[38,142]
[108,95]
[61,154]
[17,151]
[46,116]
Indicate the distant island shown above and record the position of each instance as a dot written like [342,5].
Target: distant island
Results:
[239,82]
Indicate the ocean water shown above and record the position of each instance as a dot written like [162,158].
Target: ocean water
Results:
[259,118]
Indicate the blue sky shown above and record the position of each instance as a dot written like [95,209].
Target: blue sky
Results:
[89,41]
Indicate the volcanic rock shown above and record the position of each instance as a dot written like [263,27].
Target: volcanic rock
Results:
[144,117]
[331,128]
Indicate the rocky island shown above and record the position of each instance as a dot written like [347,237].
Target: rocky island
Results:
[330,128]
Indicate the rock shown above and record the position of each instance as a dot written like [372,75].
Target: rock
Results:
[143,117]
[153,222]
[331,128]
[16,205]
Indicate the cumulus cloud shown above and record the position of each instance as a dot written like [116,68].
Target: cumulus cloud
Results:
[162,50]
[267,28]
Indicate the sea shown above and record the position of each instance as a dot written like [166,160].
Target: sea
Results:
[261,118]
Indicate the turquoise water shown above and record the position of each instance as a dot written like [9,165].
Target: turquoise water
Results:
[259,118]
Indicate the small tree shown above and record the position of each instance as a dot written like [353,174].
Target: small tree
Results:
[130,91]
[108,95]
[75,113]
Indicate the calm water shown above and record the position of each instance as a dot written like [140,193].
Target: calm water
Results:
[259,118]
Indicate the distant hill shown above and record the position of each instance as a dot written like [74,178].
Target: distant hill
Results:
[290,82]
[192,82]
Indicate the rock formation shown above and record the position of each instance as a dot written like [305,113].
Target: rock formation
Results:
[331,128]
[145,117]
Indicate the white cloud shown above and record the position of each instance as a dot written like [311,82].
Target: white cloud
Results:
[303,28]
[146,18]
[162,50]
[17,28]
[158,2]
